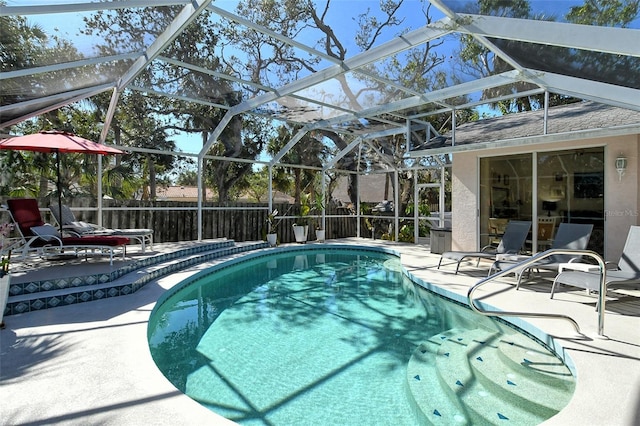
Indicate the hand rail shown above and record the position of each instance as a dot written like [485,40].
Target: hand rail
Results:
[531,262]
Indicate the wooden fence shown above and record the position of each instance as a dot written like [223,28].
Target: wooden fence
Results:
[178,221]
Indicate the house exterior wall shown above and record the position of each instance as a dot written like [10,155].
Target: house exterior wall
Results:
[464,208]
[622,198]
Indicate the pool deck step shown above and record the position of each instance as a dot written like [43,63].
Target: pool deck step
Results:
[481,378]
[533,376]
[424,390]
[44,294]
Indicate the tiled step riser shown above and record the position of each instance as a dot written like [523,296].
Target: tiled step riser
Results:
[28,288]
[80,296]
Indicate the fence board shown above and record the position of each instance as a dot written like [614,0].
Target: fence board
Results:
[180,221]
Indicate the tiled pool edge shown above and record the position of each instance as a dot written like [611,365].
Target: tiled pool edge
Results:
[109,286]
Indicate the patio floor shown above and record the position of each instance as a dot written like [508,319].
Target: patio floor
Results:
[89,363]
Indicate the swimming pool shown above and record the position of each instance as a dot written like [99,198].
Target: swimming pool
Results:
[342,336]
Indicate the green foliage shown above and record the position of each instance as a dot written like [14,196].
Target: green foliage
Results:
[614,13]
[305,209]
[272,223]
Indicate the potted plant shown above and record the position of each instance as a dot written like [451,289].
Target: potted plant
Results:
[318,207]
[301,227]
[272,228]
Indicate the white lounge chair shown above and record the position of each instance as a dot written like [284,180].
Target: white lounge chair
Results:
[625,273]
[570,236]
[67,219]
[43,239]
[511,243]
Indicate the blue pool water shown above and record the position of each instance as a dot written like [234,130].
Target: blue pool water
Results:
[343,337]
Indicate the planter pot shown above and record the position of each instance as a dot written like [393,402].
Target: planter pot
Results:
[5,282]
[320,234]
[272,239]
[301,233]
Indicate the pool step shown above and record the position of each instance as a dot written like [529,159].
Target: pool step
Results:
[425,390]
[480,377]
[532,359]
[533,376]
[32,296]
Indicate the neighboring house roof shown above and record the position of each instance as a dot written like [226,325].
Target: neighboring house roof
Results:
[574,117]
[190,193]
[181,193]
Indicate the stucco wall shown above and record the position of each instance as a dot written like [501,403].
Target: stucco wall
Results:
[622,199]
[464,216]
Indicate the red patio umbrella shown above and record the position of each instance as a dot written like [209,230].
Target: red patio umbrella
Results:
[56,141]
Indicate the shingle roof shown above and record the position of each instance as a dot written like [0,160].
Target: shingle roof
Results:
[565,118]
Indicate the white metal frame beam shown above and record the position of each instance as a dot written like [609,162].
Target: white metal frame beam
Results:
[617,41]
[86,7]
[623,97]
[187,15]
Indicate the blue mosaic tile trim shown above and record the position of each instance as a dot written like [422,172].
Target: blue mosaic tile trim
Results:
[26,288]
[40,303]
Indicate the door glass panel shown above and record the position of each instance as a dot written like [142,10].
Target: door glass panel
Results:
[571,189]
[505,194]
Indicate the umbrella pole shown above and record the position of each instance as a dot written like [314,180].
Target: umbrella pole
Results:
[59,190]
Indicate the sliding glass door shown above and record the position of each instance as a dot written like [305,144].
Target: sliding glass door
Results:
[571,189]
[553,187]
[505,194]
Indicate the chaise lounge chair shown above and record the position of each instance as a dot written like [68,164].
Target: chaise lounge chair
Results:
[625,273]
[67,219]
[570,236]
[45,240]
[511,243]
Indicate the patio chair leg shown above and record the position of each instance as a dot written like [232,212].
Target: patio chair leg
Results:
[519,279]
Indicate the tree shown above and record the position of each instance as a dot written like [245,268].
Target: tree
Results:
[614,13]
[198,45]
[308,151]
[308,20]
[478,61]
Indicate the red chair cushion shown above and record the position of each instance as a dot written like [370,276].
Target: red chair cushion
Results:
[26,213]
[95,240]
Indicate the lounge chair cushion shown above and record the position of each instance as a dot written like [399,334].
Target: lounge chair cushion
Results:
[81,227]
[96,240]
[46,232]
[50,233]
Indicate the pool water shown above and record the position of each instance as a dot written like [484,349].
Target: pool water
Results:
[341,337]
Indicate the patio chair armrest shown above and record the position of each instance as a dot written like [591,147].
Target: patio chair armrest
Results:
[47,233]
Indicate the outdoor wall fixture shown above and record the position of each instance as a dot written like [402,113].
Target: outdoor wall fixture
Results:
[621,165]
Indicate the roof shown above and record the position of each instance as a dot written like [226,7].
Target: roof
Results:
[190,193]
[177,193]
[574,117]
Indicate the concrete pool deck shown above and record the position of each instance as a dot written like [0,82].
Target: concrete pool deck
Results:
[89,363]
